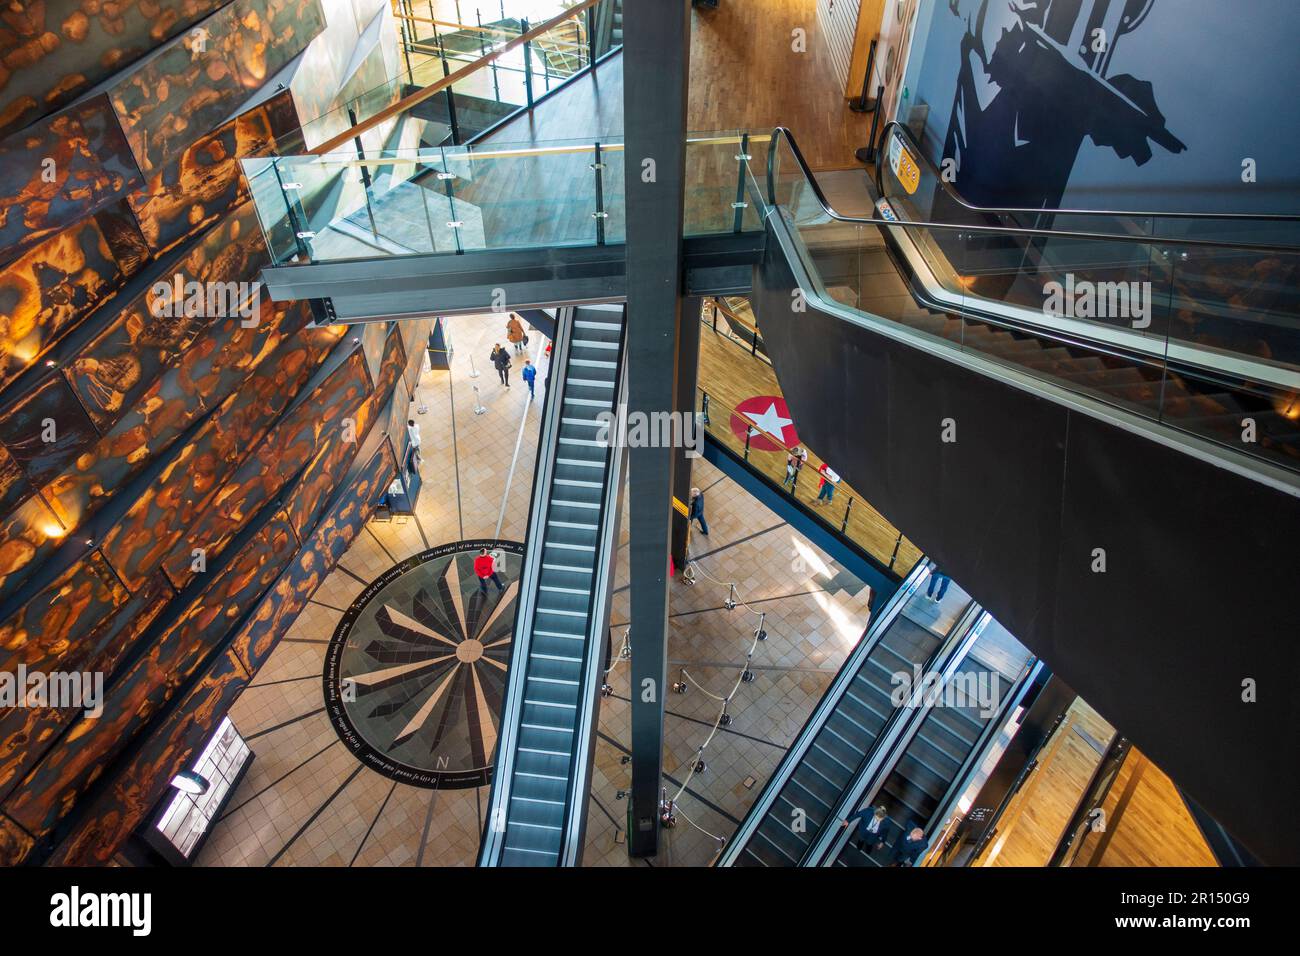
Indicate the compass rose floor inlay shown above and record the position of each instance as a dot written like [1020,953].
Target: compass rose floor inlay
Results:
[416,669]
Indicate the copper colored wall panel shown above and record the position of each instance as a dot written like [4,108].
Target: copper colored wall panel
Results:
[273,617]
[42,632]
[288,447]
[14,843]
[49,289]
[13,486]
[138,787]
[185,488]
[27,733]
[390,370]
[51,790]
[92,168]
[311,494]
[270,33]
[212,369]
[30,532]
[190,192]
[49,411]
[52,51]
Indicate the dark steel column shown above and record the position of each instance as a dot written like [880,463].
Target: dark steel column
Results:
[688,366]
[656,45]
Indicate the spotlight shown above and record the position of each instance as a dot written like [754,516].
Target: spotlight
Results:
[188,781]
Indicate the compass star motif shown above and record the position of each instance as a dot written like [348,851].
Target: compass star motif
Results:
[416,671]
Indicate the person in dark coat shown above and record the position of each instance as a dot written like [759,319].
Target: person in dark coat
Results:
[873,828]
[501,362]
[909,848]
[697,511]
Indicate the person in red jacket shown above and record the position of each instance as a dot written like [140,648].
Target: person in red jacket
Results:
[486,568]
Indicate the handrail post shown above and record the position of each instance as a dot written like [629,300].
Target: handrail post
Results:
[740,205]
[528,63]
[704,408]
[591,35]
[599,215]
[894,557]
[871,150]
[749,431]
[299,226]
[863,105]
[844,525]
[451,96]
[451,204]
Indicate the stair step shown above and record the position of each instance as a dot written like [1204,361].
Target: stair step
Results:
[592,383]
[589,324]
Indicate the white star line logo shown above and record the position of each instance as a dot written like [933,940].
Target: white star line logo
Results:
[771,422]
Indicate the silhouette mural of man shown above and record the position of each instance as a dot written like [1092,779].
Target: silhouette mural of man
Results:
[1033,83]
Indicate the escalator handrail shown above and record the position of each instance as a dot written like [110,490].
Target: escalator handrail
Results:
[781,132]
[1028,211]
[597,624]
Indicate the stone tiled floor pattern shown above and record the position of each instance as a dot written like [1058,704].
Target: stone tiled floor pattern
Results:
[307,801]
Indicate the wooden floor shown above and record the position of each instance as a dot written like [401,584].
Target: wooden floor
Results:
[1033,824]
[1148,822]
[744,75]
[730,374]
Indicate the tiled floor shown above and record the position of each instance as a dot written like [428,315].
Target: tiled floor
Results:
[307,801]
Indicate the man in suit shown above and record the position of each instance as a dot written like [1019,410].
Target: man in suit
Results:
[910,848]
[874,827]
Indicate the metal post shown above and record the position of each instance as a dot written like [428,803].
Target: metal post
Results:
[749,431]
[894,557]
[688,361]
[867,154]
[528,63]
[599,215]
[844,525]
[862,104]
[740,205]
[451,97]
[656,62]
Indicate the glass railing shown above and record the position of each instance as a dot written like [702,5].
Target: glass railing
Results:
[1203,336]
[461,77]
[846,513]
[361,204]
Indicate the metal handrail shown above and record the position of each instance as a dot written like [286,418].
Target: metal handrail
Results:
[1029,211]
[782,132]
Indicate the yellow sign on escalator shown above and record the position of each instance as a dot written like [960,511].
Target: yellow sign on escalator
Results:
[906,171]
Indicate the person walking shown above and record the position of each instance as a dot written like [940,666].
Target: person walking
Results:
[938,582]
[530,375]
[413,433]
[515,333]
[501,362]
[485,567]
[874,827]
[697,511]
[826,490]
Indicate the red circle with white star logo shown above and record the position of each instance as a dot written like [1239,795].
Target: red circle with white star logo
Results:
[770,414]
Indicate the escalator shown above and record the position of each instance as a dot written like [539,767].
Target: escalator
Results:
[536,811]
[1119,490]
[921,787]
[856,720]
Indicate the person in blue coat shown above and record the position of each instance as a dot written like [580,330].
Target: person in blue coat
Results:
[697,511]
[530,373]
[874,828]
